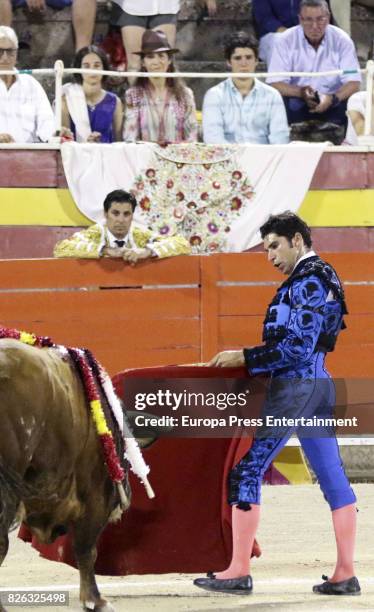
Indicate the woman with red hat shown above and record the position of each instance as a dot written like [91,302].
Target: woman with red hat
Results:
[159,109]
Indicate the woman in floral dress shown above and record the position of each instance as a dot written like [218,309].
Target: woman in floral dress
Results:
[158,109]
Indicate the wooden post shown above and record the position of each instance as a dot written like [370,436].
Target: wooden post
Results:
[209,306]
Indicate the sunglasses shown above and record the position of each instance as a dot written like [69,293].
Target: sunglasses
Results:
[9,52]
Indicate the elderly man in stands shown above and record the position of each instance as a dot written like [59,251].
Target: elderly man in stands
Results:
[119,237]
[315,46]
[272,17]
[243,109]
[25,112]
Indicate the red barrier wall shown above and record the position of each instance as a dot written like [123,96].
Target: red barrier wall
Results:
[179,310]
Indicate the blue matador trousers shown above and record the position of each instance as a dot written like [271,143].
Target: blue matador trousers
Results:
[292,396]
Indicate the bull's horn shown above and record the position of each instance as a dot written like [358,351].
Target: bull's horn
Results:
[122,496]
[148,488]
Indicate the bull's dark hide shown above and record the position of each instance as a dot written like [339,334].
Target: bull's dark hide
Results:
[186,528]
[51,461]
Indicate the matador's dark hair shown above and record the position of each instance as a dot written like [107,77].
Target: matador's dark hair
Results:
[287,224]
[119,195]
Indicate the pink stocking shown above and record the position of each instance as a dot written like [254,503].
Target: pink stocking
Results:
[344,521]
[244,527]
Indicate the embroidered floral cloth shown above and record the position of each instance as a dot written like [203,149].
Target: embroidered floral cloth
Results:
[216,196]
[196,191]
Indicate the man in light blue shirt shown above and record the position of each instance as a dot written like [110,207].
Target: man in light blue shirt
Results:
[243,110]
[315,46]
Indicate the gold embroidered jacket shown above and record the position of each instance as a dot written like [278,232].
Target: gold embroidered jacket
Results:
[89,243]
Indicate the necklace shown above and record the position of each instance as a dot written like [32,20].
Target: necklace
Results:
[92,103]
[159,98]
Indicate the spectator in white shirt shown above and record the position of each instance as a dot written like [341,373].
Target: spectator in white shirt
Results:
[315,46]
[243,109]
[356,110]
[25,112]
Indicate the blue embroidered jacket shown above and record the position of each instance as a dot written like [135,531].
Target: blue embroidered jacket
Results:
[303,320]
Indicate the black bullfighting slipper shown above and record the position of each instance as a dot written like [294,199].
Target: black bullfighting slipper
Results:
[345,587]
[236,586]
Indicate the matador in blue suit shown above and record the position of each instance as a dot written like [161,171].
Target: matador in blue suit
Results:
[301,325]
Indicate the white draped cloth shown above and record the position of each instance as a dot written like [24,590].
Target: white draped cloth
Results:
[78,111]
[217,196]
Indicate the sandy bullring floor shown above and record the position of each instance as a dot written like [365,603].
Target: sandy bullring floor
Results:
[297,543]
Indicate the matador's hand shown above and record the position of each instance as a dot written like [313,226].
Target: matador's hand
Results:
[227,359]
[132,256]
[113,252]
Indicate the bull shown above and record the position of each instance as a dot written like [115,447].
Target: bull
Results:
[52,473]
